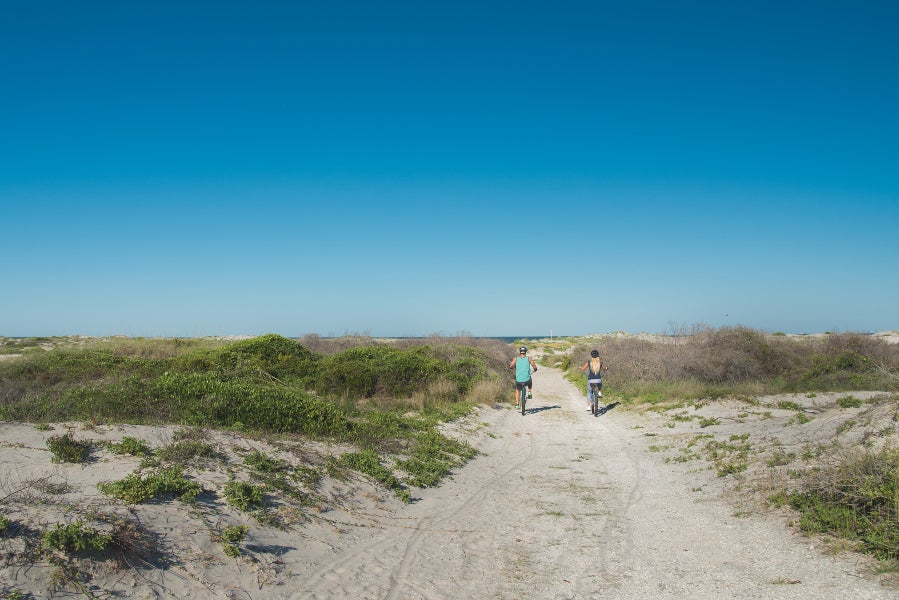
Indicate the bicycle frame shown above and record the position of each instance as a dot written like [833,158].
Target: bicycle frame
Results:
[594,404]
[522,394]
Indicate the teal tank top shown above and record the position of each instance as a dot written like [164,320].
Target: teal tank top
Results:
[522,369]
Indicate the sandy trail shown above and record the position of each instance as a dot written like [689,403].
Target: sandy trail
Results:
[564,505]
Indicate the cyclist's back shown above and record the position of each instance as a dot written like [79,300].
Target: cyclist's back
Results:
[522,369]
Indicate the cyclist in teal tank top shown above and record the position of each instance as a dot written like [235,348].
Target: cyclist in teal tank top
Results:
[524,365]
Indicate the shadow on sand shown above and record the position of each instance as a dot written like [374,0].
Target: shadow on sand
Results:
[531,411]
[607,408]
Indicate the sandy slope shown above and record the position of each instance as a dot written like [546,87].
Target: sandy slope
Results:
[558,505]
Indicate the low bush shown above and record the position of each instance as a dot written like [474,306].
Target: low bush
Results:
[369,463]
[129,445]
[244,496]
[186,452]
[263,463]
[856,498]
[849,402]
[75,537]
[136,489]
[65,448]
[231,537]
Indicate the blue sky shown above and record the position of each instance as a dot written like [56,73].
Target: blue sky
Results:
[402,168]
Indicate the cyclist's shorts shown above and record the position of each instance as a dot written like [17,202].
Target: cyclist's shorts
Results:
[597,381]
[529,383]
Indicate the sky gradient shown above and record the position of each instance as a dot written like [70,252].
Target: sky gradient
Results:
[402,168]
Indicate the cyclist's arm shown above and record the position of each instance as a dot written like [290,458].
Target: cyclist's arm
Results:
[533,364]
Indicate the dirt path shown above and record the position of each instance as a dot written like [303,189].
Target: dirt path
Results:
[565,505]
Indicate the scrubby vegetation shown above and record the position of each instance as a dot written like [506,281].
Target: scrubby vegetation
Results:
[361,394]
[75,537]
[129,445]
[714,363]
[856,498]
[135,488]
[66,449]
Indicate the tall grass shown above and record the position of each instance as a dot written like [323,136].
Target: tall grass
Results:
[735,361]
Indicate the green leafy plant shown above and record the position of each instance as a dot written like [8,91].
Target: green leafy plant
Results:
[186,452]
[4,524]
[368,462]
[856,499]
[261,462]
[75,537]
[135,489]
[235,534]
[65,448]
[231,537]
[849,402]
[129,445]
[244,496]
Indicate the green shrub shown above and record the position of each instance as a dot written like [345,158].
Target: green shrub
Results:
[858,499]
[231,537]
[260,461]
[432,458]
[129,445]
[849,402]
[367,371]
[244,496]
[75,537]
[368,462]
[235,534]
[4,524]
[186,451]
[135,489]
[268,355]
[789,405]
[206,399]
[65,448]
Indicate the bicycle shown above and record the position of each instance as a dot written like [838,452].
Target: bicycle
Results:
[595,410]
[522,394]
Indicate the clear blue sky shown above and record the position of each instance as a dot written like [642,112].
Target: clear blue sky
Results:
[400,168]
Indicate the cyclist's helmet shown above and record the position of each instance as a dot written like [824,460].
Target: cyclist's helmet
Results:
[523,350]
[595,353]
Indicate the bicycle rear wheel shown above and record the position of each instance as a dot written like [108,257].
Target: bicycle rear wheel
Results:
[524,397]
